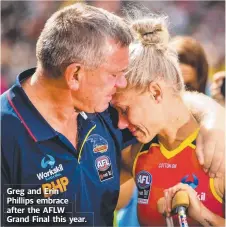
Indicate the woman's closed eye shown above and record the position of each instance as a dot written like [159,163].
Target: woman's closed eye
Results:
[124,111]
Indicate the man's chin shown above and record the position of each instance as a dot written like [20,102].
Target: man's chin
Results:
[102,108]
[98,109]
[142,139]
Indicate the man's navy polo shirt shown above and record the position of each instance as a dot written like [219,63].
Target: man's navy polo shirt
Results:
[34,155]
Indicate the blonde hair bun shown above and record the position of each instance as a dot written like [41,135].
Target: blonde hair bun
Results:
[152,31]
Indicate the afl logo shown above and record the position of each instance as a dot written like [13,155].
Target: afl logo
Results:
[143,179]
[103,163]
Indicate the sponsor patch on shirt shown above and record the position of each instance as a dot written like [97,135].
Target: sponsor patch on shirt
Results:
[143,181]
[50,169]
[100,145]
[104,169]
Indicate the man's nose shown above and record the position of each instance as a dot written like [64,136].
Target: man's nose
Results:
[121,81]
[122,122]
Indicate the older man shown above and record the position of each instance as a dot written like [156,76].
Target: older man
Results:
[48,141]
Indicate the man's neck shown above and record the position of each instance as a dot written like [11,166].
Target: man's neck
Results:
[51,98]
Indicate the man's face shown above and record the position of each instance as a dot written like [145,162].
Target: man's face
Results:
[97,86]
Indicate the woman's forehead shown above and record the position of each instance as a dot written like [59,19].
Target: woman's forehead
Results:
[122,97]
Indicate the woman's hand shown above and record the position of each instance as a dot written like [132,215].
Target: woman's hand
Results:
[196,210]
[195,206]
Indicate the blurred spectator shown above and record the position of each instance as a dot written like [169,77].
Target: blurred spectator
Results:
[217,88]
[111,6]
[193,62]
[4,85]
[211,32]
[22,22]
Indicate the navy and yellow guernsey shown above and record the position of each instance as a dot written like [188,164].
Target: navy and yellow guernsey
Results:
[34,155]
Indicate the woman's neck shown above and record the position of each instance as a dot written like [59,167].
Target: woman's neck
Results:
[179,125]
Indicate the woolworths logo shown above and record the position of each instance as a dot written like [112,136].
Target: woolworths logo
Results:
[53,172]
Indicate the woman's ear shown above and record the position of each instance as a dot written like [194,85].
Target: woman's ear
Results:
[72,74]
[155,91]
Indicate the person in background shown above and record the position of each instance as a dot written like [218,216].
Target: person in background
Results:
[217,88]
[4,85]
[193,62]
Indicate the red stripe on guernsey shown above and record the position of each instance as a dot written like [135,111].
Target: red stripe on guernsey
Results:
[22,120]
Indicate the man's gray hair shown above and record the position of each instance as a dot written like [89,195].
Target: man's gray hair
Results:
[79,34]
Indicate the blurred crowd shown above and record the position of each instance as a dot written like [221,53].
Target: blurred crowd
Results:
[22,22]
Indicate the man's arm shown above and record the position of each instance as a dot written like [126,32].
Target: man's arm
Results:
[127,161]
[211,141]
[127,183]
[126,193]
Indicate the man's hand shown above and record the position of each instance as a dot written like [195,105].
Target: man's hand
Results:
[210,150]
[210,143]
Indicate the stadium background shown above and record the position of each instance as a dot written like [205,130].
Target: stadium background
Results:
[22,22]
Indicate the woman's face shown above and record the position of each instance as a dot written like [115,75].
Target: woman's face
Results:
[141,113]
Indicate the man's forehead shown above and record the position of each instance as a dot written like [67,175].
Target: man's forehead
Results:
[115,68]
[118,58]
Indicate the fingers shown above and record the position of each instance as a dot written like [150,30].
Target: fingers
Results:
[199,149]
[221,148]
[167,204]
[209,140]
[170,193]
[210,154]
[214,152]
[217,164]
[221,170]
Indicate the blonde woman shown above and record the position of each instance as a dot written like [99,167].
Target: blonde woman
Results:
[152,105]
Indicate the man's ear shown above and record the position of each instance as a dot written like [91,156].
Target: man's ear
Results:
[72,74]
[155,91]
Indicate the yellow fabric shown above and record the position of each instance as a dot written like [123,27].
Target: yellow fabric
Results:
[115,224]
[80,151]
[213,190]
[187,142]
